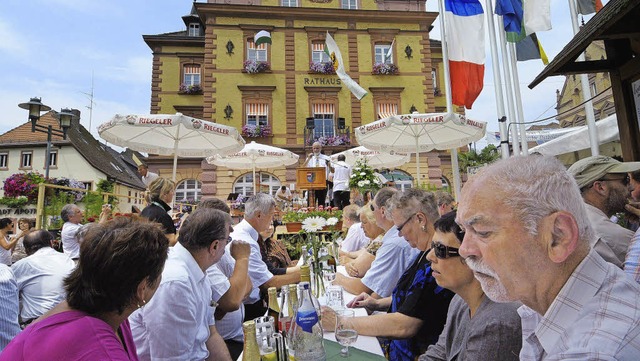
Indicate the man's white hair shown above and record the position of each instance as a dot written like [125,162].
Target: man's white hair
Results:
[534,187]
[260,202]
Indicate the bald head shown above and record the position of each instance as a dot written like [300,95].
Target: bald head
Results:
[36,240]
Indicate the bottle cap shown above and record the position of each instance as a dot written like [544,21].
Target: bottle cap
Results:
[303,285]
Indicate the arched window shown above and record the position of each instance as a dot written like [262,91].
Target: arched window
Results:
[402,179]
[188,191]
[445,183]
[268,183]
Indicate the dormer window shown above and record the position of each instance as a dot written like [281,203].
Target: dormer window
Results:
[194,29]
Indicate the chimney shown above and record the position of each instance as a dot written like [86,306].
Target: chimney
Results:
[75,121]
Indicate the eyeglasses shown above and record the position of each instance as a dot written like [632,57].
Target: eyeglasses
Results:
[625,180]
[405,222]
[443,252]
[229,240]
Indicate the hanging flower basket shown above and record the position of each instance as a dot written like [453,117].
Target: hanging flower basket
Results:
[322,67]
[254,67]
[385,69]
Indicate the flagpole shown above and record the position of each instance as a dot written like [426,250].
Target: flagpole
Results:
[518,98]
[507,79]
[495,62]
[586,92]
[448,95]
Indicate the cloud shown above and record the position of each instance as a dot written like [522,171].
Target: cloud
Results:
[135,69]
[14,43]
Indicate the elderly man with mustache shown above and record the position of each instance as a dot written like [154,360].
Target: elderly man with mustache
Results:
[527,239]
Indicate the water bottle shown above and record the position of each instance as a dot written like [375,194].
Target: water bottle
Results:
[307,333]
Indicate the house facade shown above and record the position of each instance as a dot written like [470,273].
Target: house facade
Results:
[80,157]
[286,93]
[572,114]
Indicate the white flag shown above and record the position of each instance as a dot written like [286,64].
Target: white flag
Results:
[338,65]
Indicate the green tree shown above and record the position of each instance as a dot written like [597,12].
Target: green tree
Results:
[487,155]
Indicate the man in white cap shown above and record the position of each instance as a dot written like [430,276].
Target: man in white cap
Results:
[604,185]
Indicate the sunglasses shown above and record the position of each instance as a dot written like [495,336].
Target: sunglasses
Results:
[443,252]
[405,222]
[625,180]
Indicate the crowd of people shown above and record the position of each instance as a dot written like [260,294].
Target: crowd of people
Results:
[535,262]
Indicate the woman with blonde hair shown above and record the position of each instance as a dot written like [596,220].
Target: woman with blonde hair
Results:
[160,193]
[358,263]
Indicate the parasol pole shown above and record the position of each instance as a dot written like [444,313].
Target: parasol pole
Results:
[418,161]
[254,177]
[448,96]
[175,154]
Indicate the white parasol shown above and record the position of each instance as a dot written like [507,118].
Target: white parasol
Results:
[255,155]
[374,158]
[171,134]
[415,133]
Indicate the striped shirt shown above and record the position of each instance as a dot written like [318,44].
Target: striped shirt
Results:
[632,262]
[596,316]
[9,327]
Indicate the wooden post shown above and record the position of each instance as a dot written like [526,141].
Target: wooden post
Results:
[40,206]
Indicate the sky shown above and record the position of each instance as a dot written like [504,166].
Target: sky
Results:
[54,49]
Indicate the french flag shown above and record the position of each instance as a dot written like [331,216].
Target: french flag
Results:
[464,32]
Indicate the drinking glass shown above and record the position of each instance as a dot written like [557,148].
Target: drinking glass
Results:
[265,329]
[335,297]
[345,334]
[329,277]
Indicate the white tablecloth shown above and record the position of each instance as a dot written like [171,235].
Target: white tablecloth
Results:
[366,343]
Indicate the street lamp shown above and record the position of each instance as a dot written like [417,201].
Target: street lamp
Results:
[35,107]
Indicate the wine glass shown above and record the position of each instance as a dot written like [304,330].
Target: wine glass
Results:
[345,334]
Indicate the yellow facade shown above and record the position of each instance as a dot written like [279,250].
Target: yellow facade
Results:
[289,88]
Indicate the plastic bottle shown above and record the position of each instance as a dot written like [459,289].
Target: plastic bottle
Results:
[307,333]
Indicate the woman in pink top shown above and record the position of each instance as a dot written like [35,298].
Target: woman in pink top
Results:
[118,272]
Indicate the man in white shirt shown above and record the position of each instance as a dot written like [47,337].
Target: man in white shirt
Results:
[355,238]
[230,286]
[72,216]
[283,197]
[258,216]
[317,159]
[341,176]
[178,324]
[40,276]
[147,177]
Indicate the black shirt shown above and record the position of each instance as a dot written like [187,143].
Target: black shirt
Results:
[157,212]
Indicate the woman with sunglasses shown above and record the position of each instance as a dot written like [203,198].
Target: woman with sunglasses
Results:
[477,328]
[417,307]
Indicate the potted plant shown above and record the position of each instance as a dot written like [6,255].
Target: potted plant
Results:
[294,219]
[254,67]
[385,69]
